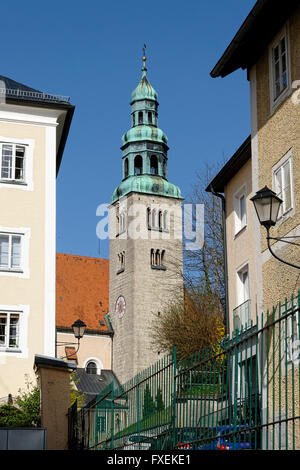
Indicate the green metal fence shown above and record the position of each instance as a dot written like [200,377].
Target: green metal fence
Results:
[241,393]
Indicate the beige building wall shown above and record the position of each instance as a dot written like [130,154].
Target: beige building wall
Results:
[278,137]
[240,243]
[147,291]
[29,210]
[275,133]
[92,347]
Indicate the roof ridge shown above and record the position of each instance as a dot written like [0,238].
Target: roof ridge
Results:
[82,256]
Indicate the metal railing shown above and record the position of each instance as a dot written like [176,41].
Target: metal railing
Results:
[242,315]
[241,393]
[33,95]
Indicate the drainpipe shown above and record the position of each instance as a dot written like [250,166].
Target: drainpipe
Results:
[225,257]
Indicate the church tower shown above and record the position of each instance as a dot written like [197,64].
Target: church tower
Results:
[145,238]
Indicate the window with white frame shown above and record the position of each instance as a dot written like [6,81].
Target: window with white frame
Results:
[9,330]
[12,162]
[243,285]
[280,67]
[283,186]
[240,204]
[10,252]
[291,332]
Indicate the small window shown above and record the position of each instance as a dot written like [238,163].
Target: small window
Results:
[10,252]
[153,165]
[91,367]
[12,164]
[283,186]
[279,64]
[133,119]
[243,289]
[138,165]
[148,217]
[160,220]
[121,257]
[240,204]
[157,258]
[149,117]
[126,168]
[9,330]
[140,117]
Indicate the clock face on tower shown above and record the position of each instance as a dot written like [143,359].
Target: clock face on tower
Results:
[120,306]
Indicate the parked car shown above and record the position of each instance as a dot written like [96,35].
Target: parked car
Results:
[137,442]
[224,439]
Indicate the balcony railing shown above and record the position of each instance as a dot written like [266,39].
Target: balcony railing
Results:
[32,95]
[242,316]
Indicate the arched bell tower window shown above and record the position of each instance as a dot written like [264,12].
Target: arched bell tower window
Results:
[148,217]
[133,119]
[149,117]
[165,169]
[153,165]
[140,117]
[160,219]
[138,165]
[126,168]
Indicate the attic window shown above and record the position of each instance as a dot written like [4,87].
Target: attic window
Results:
[91,368]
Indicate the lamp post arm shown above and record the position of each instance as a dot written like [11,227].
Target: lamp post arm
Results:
[275,256]
[75,352]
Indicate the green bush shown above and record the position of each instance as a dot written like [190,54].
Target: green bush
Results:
[10,416]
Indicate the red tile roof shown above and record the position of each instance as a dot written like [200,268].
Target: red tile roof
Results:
[82,285]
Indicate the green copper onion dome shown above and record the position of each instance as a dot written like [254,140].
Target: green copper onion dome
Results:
[146,184]
[144,90]
[145,148]
[144,132]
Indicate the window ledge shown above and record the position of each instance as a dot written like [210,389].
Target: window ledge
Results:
[7,270]
[121,271]
[18,182]
[157,229]
[162,268]
[10,350]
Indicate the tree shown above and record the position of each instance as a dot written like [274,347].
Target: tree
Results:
[149,406]
[189,326]
[204,268]
[159,400]
[28,402]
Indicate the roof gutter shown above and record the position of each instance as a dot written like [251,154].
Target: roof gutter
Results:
[238,38]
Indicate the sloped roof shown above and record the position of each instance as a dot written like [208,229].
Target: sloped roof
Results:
[261,25]
[93,384]
[20,94]
[82,285]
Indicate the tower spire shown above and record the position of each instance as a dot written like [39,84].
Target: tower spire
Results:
[144,69]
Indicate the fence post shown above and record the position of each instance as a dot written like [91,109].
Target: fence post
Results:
[174,398]
[112,415]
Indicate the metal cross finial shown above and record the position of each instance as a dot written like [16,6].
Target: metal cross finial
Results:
[144,58]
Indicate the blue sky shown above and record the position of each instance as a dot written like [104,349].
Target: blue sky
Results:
[91,51]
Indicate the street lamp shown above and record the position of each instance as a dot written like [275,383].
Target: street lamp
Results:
[78,330]
[267,205]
